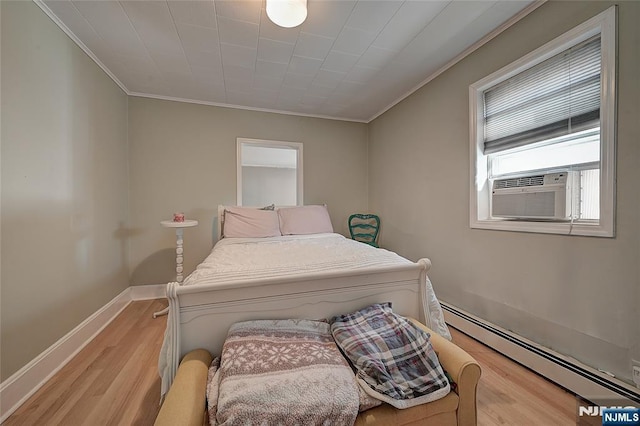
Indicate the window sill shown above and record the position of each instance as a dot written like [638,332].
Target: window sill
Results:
[561,228]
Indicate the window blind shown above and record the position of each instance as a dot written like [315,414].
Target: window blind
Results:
[557,97]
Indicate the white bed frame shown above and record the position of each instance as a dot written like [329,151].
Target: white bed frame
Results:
[200,315]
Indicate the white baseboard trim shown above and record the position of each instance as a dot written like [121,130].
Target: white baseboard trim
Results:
[568,372]
[148,292]
[25,382]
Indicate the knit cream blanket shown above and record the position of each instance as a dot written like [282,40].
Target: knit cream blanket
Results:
[282,372]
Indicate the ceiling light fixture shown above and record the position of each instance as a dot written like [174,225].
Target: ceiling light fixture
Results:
[287,13]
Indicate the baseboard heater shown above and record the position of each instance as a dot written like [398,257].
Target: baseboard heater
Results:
[587,382]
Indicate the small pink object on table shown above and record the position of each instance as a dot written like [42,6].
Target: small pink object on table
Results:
[178,217]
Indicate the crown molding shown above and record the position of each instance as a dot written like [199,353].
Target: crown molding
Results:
[247,108]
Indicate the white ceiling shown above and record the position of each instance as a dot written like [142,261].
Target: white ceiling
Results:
[350,60]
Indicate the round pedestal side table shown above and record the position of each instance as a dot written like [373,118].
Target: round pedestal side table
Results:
[179,227]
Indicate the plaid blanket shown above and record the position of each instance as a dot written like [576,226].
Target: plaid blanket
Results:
[394,359]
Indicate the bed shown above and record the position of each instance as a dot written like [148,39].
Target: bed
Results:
[254,272]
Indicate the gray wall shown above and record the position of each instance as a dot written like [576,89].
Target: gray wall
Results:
[576,295]
[64,186]
[183,158]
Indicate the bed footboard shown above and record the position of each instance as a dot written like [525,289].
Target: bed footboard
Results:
[200,315]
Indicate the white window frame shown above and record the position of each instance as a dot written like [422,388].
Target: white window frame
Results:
[479,194]
[269,144]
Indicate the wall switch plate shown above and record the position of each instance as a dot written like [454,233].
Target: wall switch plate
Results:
[635,374]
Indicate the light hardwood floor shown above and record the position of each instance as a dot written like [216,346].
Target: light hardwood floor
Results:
[114,381]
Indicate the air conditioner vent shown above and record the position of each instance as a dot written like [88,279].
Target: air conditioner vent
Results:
[519,182]
[539,197]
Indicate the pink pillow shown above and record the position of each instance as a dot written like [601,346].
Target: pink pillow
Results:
[304,220]
[243,222]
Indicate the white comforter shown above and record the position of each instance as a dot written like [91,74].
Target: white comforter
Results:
[242,259]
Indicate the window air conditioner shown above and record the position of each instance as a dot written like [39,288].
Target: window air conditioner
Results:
[542,197]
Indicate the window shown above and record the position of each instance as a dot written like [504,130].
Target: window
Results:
[543,137]
[269,172]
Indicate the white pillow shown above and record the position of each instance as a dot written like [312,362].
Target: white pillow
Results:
[243,222]
[304,220]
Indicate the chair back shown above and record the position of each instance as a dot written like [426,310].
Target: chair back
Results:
[364,228]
